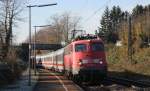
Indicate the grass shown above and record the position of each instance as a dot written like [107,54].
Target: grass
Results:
[117,58]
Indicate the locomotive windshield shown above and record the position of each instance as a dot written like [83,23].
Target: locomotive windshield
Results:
[97,47]
[80,47]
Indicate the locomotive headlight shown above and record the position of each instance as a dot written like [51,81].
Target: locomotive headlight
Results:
[101,62]
[80,62]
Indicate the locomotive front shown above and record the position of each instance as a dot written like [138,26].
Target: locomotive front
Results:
[89,60]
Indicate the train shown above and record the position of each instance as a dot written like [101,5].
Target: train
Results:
[82,60]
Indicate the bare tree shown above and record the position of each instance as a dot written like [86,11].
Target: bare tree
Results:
[9,14]
[64,24]
[59,31]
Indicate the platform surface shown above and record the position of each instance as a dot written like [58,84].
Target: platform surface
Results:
[52,81]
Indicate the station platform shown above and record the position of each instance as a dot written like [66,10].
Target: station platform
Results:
[50,81]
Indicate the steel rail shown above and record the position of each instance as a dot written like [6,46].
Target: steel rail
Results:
[129,82]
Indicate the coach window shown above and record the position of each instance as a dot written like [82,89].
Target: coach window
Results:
[80,47]
[97,47]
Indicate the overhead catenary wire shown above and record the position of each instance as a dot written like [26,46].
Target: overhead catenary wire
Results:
[95,12]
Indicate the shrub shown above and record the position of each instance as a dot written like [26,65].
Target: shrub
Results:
[118,60]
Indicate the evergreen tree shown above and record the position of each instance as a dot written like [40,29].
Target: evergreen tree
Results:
[105,22]
[138,10]
[109,24]
[115,22]
[125,16]
[116,16]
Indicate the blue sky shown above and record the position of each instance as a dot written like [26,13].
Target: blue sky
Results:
[90,12]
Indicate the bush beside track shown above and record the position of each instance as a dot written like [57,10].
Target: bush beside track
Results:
[119,65]
[7,75]
[12,66]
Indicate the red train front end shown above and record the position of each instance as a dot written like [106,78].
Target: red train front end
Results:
[89,60]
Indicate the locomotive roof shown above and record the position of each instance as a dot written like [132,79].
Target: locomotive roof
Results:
[88,40]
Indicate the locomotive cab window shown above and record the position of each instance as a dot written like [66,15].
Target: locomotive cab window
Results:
[80,47]
[97,47]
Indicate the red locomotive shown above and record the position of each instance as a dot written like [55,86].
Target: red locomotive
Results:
[83,59]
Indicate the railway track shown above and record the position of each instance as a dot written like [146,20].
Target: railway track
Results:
[117,84]
[129,82]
